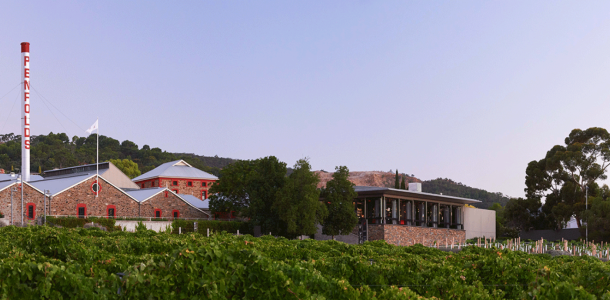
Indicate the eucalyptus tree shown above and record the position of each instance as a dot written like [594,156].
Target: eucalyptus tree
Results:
[564,174]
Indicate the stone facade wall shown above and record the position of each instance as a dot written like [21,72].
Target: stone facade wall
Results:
[66,203]
[30,195]
[167,205]
[196,189]
[411,235]
[375,232]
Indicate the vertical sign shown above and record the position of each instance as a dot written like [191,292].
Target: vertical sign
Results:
[25,113]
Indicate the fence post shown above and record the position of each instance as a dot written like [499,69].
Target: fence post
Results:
[237,232]
[179,230]
[208,232]
[195,226]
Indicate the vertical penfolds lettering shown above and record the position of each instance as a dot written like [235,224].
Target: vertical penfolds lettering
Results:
[25,113]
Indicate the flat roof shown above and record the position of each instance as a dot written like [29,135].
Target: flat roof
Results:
[374,191]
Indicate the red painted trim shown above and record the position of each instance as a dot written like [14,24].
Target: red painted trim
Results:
[25,47]
[187,183]
[174,212]
[160,213]
[108,208]
[79,206]
[100,188]
[27,209]
[166,192]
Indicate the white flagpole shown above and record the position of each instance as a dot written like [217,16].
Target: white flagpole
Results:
[97,160]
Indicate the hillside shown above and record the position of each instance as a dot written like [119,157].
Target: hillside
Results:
[59,151]
[436,186]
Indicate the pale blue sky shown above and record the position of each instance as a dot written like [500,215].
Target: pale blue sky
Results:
[467,90]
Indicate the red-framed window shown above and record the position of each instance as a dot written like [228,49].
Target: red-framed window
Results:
[96,187]
[174,182]
[81,210]
[158,213]
[175,213]
[204,195]
[166,192]
[189,183]
[142,185]
[111,211]
[203,184]
[175,191]
[30,211]
[154,183]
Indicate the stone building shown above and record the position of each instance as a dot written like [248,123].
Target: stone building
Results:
[408,217]
[79,192]
[180,177]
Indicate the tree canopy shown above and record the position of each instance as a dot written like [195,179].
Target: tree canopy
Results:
[59,151]
[260,190]
[127,166]
[563,175]
[338,197]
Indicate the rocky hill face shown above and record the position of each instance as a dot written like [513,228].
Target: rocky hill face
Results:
[367,178]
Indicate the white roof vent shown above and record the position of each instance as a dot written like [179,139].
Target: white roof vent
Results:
[415,187]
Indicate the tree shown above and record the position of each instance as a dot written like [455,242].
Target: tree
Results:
[403,184]
[397,181]
[249,188]
[338,196]
[298,204]
[566,171]
[127,166]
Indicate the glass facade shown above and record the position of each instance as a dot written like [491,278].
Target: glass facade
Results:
[387,210]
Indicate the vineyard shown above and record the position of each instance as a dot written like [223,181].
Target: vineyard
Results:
[59,263]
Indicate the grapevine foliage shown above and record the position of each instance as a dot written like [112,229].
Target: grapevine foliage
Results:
[60,263]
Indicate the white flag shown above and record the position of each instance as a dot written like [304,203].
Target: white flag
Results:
[92,128]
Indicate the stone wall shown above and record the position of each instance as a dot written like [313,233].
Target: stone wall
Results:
[66,203]
[167,205]
[196,189]
[411,235]
[30,196]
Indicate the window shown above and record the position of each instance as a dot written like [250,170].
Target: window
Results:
[204,194]
[96,187]
[189,183]
[175,191]
[31,211]
[175,182]
[154,183]
[81,210]
[157,213]
[203,184]
[166,194]
[111,211]
[142,185]
[176,213]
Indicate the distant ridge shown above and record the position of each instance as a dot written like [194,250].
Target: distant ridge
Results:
[436,186]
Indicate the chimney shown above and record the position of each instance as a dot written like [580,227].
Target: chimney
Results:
[25,112]
[415,187]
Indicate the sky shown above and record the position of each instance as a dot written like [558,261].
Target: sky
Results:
[466,90]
